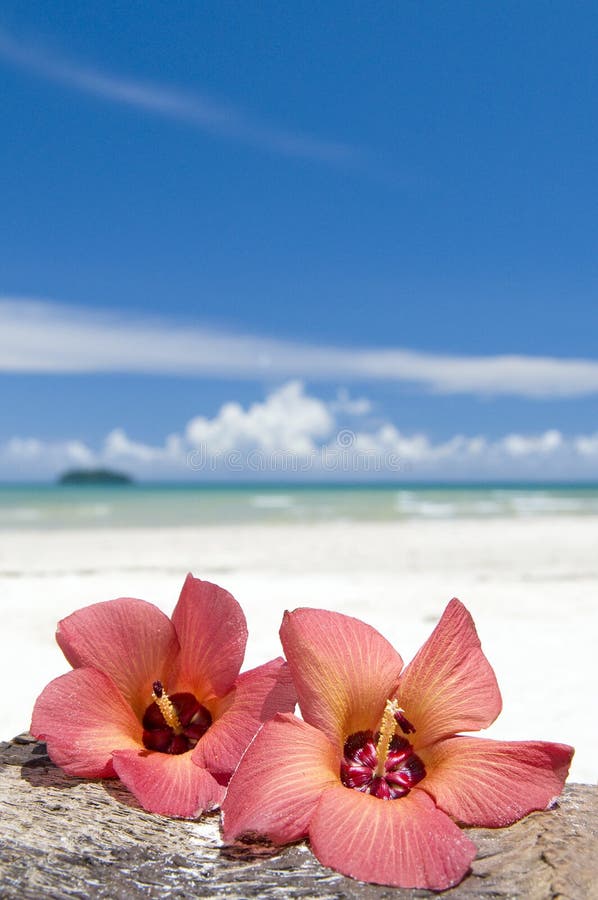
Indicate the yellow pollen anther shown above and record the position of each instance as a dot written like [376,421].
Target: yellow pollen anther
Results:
[166,707]
[387,730]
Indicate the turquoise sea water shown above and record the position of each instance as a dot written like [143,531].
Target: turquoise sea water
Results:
[53,506]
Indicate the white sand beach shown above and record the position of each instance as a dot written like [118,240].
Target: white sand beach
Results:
[531,585]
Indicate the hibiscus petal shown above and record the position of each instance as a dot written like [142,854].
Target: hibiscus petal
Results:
[83,718]
[343,669]
[494,783]
[256,698]
[449,686]
[168,785]
[404,843]
[279,781]
[129,640]
[212,632]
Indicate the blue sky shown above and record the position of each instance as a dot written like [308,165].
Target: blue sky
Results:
[334,182]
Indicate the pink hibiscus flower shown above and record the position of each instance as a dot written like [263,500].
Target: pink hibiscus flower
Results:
[375,774]
[159,703]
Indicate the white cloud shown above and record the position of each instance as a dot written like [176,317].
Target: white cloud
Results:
[351,406]
[196,111]
[287,421]
[119,447]
[33,449]
[33,458]
[418,448]
[293,433]
[524,445]
[587,445]
[43,337]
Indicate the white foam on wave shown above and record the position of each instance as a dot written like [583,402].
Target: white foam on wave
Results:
[21,514]
[545,504]
[94,511]
[411,505]
[496,504]
[272,501]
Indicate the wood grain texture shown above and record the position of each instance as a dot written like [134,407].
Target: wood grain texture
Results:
[62,837]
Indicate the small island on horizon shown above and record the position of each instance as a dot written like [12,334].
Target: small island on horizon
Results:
[93,477]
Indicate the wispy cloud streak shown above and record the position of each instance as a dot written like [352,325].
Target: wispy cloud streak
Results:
[42,337]
[199,112]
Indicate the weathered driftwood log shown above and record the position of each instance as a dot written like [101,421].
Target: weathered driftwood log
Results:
[63,838]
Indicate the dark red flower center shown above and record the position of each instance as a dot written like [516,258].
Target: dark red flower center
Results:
[383,763]
[402,768]
[175,723]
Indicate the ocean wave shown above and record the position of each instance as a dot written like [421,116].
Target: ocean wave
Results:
[272,501]
[21,514]
[165,506]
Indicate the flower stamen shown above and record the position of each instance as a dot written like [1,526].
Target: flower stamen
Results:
[402,720]
[166,707]
[387,729]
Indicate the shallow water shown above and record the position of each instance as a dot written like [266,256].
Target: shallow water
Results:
[162,505]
